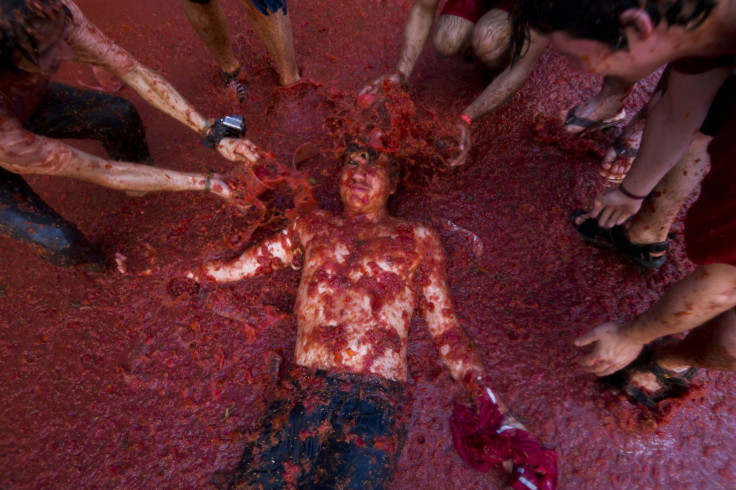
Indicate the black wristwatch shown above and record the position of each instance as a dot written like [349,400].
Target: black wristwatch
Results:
[227,127]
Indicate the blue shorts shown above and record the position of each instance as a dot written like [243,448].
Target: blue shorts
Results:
[263,5]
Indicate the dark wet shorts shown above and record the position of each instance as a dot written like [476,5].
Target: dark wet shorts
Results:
[326,431]
[473,10]
[263,5]
[723,107]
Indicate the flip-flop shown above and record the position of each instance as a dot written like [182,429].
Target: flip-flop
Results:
[590,125]
[615,238]
[622,151]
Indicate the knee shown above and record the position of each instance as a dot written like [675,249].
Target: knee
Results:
[491,39]
[451,35]
[123,116]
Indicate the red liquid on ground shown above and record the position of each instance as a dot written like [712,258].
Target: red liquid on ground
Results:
[143,382]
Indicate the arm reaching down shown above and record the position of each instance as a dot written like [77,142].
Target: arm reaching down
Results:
[416,32]
[670,128]
[91,46]
[500,90]
[704,294]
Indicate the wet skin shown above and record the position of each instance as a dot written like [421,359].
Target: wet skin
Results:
[363,275]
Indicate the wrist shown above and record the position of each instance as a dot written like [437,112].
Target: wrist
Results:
[403,79]
[216,130]
[632,332]
[208,181]
[466,119]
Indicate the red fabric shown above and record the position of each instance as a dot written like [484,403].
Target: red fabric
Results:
[473,10]
[480,445]
[710,226]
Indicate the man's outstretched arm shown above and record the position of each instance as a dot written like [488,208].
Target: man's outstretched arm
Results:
[91,46]
[26,153]
[707,292]
[455,346]
[272,254]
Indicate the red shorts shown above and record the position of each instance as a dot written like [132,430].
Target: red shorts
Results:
[473,10]
[710,226]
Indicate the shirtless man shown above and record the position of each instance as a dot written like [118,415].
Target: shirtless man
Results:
[363,274]
[630,39]
[35,37]
[269,19]
[482,27]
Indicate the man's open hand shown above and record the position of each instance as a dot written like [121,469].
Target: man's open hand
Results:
[238,149]
[613,349]
[462,137]
[377,84]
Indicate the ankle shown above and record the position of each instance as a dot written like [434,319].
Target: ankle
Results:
[645,236]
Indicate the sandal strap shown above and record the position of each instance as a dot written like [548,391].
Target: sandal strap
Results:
[643,250]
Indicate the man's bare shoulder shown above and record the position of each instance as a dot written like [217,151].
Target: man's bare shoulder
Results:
[424,233]
[313,222]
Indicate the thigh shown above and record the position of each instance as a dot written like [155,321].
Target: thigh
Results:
[364,448]
[69,112]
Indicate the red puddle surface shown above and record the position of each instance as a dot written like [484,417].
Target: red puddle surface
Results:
[140,382]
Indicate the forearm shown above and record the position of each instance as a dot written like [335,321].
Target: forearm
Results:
[707,292]
[508,82]
[129,176]
[416,32]
[158,92]
[670,127]
[268,256]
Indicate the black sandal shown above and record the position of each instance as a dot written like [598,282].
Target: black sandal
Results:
[615,238]
[673,384]
[590,125]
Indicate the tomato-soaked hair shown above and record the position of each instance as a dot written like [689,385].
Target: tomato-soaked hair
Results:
[18,35]
[598,20]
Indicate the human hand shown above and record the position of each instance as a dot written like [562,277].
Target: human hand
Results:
[462,137]
[611,208]
[372,88]
[612,350]
[238,150]
[215,184]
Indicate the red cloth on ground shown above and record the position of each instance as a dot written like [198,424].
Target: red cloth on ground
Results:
[473,10]
[710,226]
[480,445]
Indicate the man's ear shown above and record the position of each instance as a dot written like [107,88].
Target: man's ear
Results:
[637,23]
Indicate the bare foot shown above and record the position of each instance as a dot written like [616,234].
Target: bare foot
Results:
[592,115]
[618,159]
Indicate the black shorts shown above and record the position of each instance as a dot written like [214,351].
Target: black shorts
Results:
[69,112]
[326,431]
[723,107]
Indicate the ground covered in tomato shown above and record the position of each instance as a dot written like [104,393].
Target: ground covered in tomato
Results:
[144,381]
